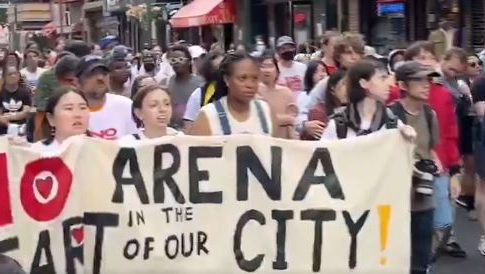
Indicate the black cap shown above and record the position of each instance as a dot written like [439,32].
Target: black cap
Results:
[89,63]
[413,70]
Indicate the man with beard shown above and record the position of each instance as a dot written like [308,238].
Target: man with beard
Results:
[292,73]
[119,72]
[110,113]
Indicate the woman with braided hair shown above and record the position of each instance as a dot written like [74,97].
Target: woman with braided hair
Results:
[238,111]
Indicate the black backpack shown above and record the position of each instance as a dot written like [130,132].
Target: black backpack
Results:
[342,123]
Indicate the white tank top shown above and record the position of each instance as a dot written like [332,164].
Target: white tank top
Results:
[253,125]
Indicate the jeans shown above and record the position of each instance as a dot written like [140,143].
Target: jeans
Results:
[421,240]
[444,210]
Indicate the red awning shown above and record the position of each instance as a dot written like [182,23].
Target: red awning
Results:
[204,12]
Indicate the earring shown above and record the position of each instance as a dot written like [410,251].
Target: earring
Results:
[53,131]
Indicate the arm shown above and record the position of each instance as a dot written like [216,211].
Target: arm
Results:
[26,104]
[192,109]
[201,127]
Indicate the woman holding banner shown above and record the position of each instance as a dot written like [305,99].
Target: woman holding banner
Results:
[152,110]
[238,111]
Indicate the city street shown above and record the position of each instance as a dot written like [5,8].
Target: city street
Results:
[468,235]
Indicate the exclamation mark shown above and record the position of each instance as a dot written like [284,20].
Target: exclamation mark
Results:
[384,217]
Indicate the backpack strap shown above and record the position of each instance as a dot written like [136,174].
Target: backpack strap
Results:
[398,110]
[136,136]
[221,113]
[340,125]
[262,117]
[429,114]
[391,119]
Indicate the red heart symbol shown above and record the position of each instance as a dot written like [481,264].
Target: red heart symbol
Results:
[78,234]
[44,186]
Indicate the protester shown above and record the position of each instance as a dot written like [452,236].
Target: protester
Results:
[469,127]
[152,109]
[110,116]
[182,84]
[67,115]
[328,49]
[367,89]
[206,94]
[336,97]
[349,49]
[32,72]
[65,71]
[310,129]
[119,72]
[444,38]
[395,57]
[478,92]
[415,79]
[279,98]
[238,112]
[292,72]
[16,101]
[441,101]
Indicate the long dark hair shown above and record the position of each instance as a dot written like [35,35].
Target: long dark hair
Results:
[331,101]
[226,69]
[362,70]
[50,106]
[310,71]
[270,55]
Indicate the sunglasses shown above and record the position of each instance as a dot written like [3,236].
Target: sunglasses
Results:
[475,64]
[178,60]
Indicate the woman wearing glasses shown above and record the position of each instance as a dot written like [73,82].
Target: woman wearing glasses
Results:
[183,83]
[238,111]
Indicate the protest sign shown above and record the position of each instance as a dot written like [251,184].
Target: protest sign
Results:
[222,205]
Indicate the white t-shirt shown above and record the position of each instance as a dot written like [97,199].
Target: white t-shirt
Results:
[114,119]
[293,77]
[32,78]
[301,102]
[130,139]
[252,125]
[192,108]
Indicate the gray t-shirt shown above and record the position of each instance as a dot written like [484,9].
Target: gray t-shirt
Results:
[427,137]
[180,92]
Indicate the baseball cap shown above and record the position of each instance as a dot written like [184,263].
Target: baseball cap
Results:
[197,51]
[285,40]
[119,53]
[413,70]
[89,63]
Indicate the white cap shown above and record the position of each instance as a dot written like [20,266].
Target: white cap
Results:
[196,51]
[370,51]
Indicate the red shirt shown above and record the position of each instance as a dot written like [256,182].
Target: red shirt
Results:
[441,102]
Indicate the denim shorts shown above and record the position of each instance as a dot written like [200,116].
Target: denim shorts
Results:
[444,211]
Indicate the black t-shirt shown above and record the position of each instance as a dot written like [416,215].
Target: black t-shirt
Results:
[12,102]
[478,89]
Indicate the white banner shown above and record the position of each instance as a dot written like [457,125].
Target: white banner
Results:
[210,205]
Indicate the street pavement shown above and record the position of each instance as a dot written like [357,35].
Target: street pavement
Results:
[468,234]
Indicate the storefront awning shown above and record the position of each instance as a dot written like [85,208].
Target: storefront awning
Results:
[204,12]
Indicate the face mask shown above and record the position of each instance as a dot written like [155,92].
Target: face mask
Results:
[287,55]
